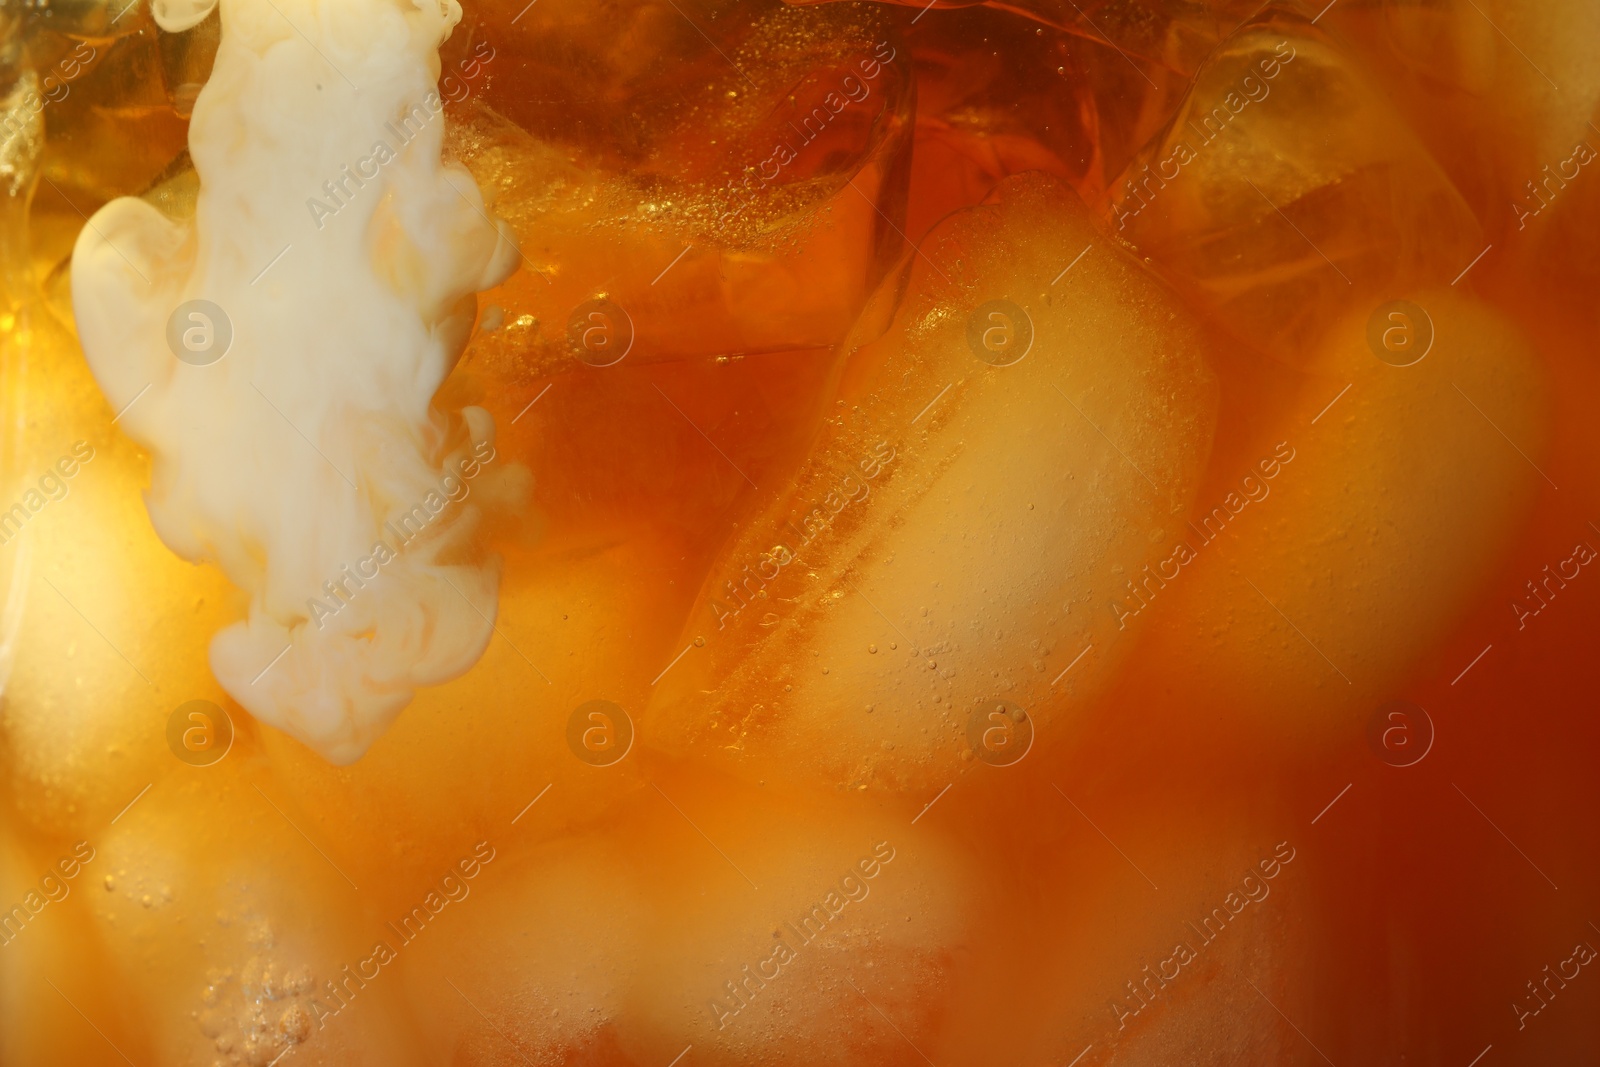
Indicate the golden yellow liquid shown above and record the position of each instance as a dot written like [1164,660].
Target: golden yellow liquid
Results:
[806,533]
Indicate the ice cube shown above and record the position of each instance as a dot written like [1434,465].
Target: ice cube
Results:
[47,938]
[111,125]
[1037,416]
[1316,601]
[736,193]
[1036,99]
[851,927]
[1287,192]
[642,936]
[232,932]
[547,944]
[1499,90]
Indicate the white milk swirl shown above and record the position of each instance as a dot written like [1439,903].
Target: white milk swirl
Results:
[284,459]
